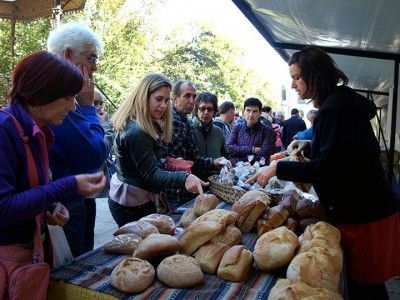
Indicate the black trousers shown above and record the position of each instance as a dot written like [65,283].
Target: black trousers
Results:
[124,214]
[361,291]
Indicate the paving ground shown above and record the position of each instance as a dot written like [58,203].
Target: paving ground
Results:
[105,227]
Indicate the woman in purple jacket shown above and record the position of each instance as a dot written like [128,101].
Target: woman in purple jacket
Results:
[43,92]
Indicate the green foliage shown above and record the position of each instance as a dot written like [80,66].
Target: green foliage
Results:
[133,48]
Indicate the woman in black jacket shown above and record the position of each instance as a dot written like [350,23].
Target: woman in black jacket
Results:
[142,124]
[345,152]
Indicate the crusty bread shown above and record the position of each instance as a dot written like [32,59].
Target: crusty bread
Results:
[235,264]
[197,234]
[263,226]
[132,275]
[315,269]
[156,247]
[123,244]
[277,216]
[209,255]
[322,230]
[286,289]
[140,228]
[204,203]
[165,224]
[187,218]
[180,271]
[230,236]
[249,208]
[222,216]
[275,249]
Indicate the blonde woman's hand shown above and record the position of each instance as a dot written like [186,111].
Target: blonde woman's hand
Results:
[89,184]
[59,215]
[193,184]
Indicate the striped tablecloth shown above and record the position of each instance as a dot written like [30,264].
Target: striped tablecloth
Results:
[92,270]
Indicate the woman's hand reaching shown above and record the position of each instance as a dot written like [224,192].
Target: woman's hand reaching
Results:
[194,184]
[89,184]
[264,174]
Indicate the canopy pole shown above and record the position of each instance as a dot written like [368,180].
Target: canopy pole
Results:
[394,115]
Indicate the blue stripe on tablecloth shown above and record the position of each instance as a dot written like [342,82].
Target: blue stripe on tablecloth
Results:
[92,270]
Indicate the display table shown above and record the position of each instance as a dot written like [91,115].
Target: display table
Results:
[87,277]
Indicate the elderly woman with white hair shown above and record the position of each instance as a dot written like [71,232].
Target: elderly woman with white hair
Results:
[79,141]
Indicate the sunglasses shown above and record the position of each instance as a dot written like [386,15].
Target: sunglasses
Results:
[209,109]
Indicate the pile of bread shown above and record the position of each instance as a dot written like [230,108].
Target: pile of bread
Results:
[211,243]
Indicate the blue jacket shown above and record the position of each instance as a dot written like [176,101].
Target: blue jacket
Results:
[18,202]
[79,145]
[305,134]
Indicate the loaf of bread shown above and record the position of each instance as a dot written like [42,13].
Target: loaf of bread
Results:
[285,289]
[230,236]
[291,224]
[132,275]
[277,216]
[180,271]
[165,224]
[209,255]
[123,244]
[304,223]
[314,269]
[140,228]
[222,216]
[263,226]
[322,230]
[249,208]
[204,203]
[187,218]
[156,247]
[275,249]
[303,208]
[197,234]
[236,264]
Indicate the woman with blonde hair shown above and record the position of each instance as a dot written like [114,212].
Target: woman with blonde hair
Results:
[143,123]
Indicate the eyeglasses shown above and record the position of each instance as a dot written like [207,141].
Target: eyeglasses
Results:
[209,109]
[97,102]
[92,58]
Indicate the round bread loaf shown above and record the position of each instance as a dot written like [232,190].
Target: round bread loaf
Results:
[165,224]
[315,269]
[209,255]
[180,271]
[293,290]
[277,216]
[132,275]
[223,216]
[204,203]
[275,249]
[123,244]
[156,247]
[322,230]
[230,236]
[140,228]
[187,218]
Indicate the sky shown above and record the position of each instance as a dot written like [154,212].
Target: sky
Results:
[226,19]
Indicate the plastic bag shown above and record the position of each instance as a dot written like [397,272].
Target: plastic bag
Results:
[61,251]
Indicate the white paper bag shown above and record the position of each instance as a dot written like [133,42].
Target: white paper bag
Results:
[61,251]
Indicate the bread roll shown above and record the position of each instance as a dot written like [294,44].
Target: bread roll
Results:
[275,249]
[322,230]
[140,228]
[314,269]
[222,216]
[286,289]
[249,208]
[123,244]
[132,275]
[180,271]
[197,234]
[165,224]
[209,255]
[204,203]
[230,236]
[277,216]
[187,218]
[263,226]
[235,264]
[156,247]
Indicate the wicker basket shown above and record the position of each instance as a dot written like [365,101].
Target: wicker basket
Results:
[224,192]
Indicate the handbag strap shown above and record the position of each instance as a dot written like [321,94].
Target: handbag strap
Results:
[38,255]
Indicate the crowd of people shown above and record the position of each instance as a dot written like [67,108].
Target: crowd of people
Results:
[75,142]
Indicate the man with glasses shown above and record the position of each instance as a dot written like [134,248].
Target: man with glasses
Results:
[183,143]
[79,141]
